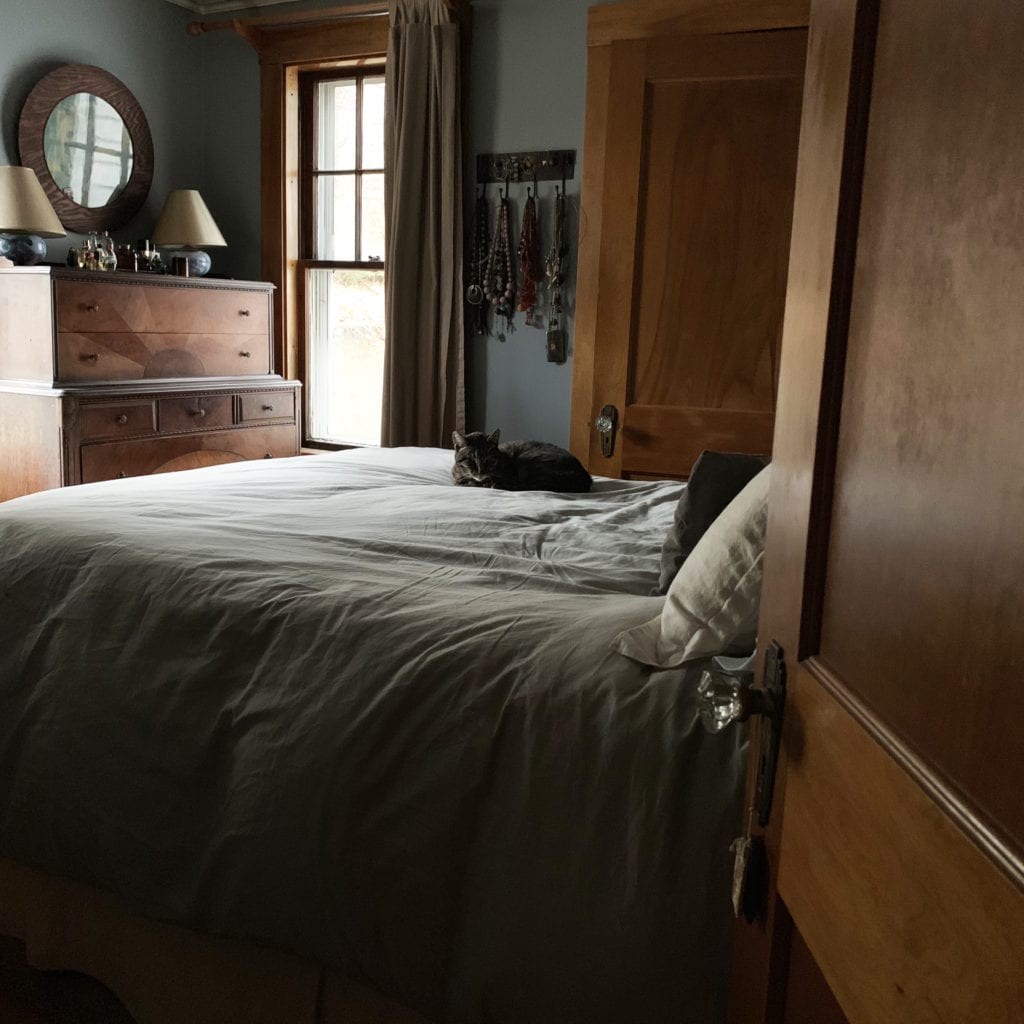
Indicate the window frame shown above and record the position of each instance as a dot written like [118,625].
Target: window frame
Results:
[309,78]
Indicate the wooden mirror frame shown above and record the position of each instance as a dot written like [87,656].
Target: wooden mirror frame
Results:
[48,92]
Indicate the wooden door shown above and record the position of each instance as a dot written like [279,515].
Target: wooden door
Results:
[696,205]
[895,551]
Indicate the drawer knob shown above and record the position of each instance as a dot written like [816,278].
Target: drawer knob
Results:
[198,411]
[268,456]
[122,419]
[92,307]
[245,355]
[243,312]
[121,475]
[268,408]
[90,357]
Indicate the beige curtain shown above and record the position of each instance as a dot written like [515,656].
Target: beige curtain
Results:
[424,397]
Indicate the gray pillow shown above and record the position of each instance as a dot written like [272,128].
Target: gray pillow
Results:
[716,478]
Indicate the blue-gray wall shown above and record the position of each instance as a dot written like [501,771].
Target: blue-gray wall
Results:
[141,42]
[528,90]
[201,97]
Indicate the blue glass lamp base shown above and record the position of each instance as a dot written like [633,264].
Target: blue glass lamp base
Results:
[23,250]
[199,262]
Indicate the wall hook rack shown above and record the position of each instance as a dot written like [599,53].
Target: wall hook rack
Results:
[541,165]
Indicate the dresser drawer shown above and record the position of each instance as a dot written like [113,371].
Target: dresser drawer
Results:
[117,419]
[267,405]
[111,460]
[83,358]
[204,412]
[101,304]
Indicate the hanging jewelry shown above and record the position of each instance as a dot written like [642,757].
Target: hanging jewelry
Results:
[500,274]
[555,272]
[478,263]
[529,261]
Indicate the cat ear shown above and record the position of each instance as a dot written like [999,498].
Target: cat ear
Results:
[493,438]
[458,440]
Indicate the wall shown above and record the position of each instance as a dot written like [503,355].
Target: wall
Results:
[201,97]
[141,42]
[528,91]
[528,85]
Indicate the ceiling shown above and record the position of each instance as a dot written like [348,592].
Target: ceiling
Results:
[216,6]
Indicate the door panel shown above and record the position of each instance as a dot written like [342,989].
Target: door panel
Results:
[894,549]
[698,183]
[925,561]
[907,919]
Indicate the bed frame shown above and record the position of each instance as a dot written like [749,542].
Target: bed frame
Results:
[164,974]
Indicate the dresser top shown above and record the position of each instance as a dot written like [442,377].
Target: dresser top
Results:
[124,277]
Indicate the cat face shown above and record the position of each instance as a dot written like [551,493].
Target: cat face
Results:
[479,462]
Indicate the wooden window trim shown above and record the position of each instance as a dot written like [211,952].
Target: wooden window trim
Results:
[285,51]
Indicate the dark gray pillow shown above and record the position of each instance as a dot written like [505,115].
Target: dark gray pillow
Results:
[716,478]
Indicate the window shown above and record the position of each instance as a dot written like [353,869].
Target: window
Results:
[342,254]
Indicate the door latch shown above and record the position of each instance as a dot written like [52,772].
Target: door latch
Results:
[607,424]
[774,685]
[724,696]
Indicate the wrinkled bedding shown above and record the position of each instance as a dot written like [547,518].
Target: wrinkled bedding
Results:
[340,707]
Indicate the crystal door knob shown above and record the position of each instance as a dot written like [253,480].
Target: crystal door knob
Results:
[606,425]
[725,697]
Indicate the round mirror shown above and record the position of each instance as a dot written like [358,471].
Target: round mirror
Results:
[87,139]
[88,149]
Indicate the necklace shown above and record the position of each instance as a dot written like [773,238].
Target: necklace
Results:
[499,278]
[529,261]
[556,337]
[478,263]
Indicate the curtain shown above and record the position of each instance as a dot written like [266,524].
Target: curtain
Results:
[424,388]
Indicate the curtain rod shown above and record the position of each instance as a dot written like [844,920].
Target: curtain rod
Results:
[197,28]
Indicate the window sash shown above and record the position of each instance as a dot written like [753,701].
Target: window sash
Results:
[315,301]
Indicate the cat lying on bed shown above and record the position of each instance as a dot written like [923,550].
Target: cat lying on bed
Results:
[480,461]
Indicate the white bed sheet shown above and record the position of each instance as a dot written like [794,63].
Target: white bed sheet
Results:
[337,706]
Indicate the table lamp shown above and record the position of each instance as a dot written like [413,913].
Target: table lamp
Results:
[185,222]
[26,217]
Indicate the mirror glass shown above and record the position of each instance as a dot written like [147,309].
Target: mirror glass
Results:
[88,149]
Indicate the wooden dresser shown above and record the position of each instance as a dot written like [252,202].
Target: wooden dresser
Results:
[106,375]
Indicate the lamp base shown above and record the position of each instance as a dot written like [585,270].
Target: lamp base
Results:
[23,250]
[199,262]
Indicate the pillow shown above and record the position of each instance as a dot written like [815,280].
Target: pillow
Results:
[716,478]
[713,603]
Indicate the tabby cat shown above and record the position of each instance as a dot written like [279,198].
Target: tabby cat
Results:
[516,465]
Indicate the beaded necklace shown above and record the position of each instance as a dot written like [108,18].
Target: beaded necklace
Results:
[529,261]
[500,275]
[555,271]
[478,263]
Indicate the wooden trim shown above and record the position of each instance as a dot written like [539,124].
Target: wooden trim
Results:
[620,218]
[993,844]
[273,249]
[461,11]
[241,25]
[589,250]
[59,84]
[921,903]
[839,42]
[650,19]
[282,55]
[349,39]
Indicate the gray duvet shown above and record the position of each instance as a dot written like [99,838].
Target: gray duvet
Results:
[340,707]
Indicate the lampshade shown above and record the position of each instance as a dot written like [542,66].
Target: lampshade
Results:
[185,220]
[24,207]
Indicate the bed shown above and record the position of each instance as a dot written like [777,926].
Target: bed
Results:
[336,710]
